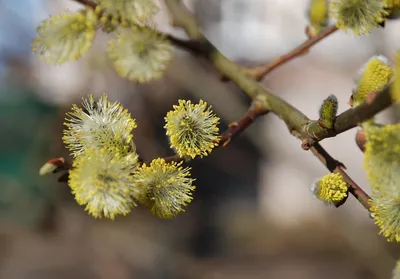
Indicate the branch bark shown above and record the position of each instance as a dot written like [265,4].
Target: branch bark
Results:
[296,121]
[348,119]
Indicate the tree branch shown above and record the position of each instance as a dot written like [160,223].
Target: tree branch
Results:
[88,3]
[192,45]
[348,119]
[294,119]
[259,72]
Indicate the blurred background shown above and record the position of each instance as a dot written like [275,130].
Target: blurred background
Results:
[253,215]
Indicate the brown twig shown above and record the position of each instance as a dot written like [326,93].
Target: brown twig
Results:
[259,72]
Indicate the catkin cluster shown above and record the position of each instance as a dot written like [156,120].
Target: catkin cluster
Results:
[382,148]
[139,52]
[357,16]
[107,177]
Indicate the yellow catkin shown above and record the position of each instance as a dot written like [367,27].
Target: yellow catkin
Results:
[165,188]
[99,124]
[192,129]
[358,16]
[318,15]
[65,37]
[372,77]
[102,181]
[330,188]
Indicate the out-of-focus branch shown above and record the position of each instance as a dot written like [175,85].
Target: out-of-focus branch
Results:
[294,119]
[190,45]
[259,72]
[88,3]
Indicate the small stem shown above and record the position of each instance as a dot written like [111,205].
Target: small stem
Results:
[259,72]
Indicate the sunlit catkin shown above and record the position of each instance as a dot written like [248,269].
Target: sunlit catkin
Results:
[192,128]
[358,16]
[99,124]
[102,181]
[330,189]
[165,188]
[372,77]
[65,37]
[140,54]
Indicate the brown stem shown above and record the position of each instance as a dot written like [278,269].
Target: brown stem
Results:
[259,72]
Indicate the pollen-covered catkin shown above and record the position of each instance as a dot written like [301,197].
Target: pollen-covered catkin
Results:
[381,162]
[395,89]
[358,16]
[140,54]
[373,76]
[165,188]
[65,37]
[102,181]
[192,129]
[330,189]
[100,124]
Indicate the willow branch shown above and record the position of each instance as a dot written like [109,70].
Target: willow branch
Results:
[294,119]
[189,45]
[259,72]
[88,3]
[349,119]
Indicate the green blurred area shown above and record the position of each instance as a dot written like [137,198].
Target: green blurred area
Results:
[25,123]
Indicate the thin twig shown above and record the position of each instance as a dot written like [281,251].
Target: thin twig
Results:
[259,72]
